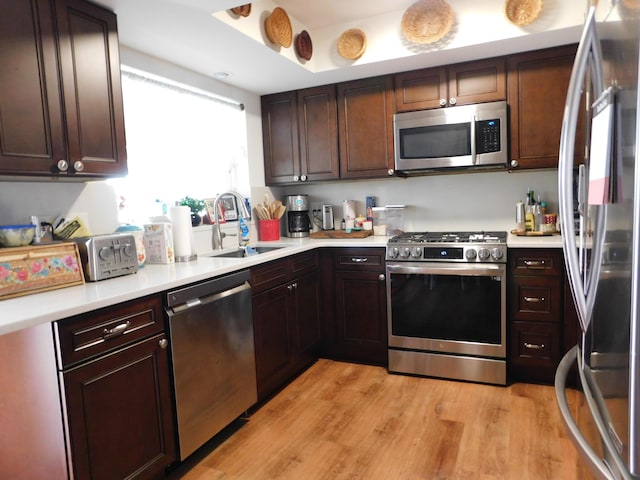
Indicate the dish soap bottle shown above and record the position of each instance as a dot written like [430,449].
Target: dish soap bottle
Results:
[244,232]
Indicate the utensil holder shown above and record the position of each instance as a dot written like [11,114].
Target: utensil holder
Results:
[269,229]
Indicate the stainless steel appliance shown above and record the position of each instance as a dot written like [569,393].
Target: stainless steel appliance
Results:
[298,220]
[604,269]
[327,217]
[213,359]
[446,305]
[107,256]
[455,137]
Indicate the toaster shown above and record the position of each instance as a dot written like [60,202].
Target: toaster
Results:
[107,256]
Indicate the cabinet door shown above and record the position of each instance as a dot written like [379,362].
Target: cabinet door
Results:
[421,89]
[119,413]
[361,319]
[273,333]
[318,129]
[537,90]
[31,131]
[480,81]
[307,314]
[280,138]
[90,69]
[365,119]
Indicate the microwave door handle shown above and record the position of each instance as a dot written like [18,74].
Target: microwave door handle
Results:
[473,140]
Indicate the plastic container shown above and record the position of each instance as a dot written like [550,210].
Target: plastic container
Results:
[389,219]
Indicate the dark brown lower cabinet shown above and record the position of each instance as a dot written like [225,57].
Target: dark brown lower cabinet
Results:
[115,381]
[286,320]
[119,414]
[357,325]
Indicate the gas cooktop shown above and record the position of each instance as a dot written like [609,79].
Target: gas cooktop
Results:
[483,247]
[450,237]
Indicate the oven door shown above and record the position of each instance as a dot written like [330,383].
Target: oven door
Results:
[455,308]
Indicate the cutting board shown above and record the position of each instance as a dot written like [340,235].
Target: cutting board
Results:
[341,234]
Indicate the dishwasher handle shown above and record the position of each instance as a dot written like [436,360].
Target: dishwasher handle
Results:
[207,299]
[203,289]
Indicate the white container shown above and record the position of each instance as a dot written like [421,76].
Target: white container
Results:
[158,239]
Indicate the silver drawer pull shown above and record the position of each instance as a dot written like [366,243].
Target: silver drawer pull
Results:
[358,259]
[534,299]
[115,331]
[534,346]
[535,264]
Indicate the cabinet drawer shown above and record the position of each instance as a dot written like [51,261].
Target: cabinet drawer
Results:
[268,275]
[536,299]
[536,262]
[304,263]
[359,258]
[535,344]
[91,334]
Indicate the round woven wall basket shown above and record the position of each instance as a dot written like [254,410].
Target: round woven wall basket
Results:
[242,10]
[303,45]
[352,44]
[523,12]
[278,28]
[427,21]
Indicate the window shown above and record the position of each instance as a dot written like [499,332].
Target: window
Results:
[180,142]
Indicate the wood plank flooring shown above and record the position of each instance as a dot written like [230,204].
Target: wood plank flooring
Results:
[347,421]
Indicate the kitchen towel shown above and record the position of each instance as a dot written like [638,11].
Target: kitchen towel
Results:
[182,242]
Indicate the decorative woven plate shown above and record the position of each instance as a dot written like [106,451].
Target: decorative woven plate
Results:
[523,12]
[242,10]
[303,45]
[352,44]
[278,28]
[427,21]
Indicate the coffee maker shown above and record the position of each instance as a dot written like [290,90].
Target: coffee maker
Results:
[298,221]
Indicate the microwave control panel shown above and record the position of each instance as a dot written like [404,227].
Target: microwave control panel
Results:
[488,136]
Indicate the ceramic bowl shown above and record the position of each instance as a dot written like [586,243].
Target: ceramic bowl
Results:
[16,235]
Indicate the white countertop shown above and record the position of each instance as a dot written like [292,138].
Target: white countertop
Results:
[30,310]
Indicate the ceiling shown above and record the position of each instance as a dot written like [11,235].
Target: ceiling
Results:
[185,33]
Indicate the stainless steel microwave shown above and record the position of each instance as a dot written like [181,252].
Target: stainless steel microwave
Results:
[462,137]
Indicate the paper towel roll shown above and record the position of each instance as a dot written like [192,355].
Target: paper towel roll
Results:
[181,219]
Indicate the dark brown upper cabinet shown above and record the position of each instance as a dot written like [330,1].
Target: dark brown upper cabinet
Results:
[460,84]
[538,84]
[61,99]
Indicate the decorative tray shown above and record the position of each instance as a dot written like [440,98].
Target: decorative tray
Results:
[534,234]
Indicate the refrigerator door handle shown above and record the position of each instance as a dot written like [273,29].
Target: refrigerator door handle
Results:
[596,464]
[582,282]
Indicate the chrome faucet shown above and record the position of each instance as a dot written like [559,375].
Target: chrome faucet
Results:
[218,235]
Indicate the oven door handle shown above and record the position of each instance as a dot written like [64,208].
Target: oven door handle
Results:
[447,268]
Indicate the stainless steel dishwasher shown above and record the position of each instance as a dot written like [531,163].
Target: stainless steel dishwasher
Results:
[213,359]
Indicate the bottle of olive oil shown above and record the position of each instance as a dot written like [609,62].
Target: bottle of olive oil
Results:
[529,218]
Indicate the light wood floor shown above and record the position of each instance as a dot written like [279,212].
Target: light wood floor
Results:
[346,421]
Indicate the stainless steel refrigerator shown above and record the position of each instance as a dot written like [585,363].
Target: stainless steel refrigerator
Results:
[600,222]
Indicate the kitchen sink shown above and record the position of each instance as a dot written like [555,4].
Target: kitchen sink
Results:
[242,252]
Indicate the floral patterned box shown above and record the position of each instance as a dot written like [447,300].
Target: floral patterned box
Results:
[37,268]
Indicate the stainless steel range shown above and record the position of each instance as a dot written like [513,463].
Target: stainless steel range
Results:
[446,305]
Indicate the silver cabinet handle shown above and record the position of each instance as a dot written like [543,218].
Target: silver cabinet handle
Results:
[534,346]
[391,172]
[381,277]
[535,264]
[116,331]
[443,102]
[63,165]
[163,343]
[303,178]
[453,101]
[359,259]
[296,178]
[534,299]
[78,166]
[514,163]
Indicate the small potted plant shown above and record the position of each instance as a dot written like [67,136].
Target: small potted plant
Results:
[196,206]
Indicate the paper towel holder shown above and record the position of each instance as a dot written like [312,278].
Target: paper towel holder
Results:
[181,218]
